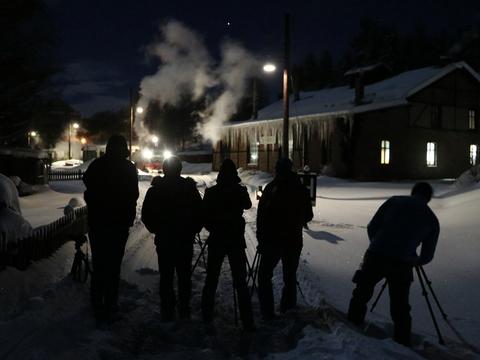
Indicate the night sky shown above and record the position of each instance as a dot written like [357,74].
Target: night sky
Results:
[102,42]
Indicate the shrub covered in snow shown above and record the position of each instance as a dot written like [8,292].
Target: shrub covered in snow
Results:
[12,225]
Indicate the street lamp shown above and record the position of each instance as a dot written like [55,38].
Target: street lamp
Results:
[286,74]
[133,110]
[155,140]
[30,135]
[75,127]
[268,68]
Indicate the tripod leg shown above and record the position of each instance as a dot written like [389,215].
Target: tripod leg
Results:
[378,296]
[254,276]
[425,294]
[252,268]
[201,255]
[301,293]
[429,284]
[235,303]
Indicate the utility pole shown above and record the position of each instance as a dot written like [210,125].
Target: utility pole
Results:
[132,120]
[286,90]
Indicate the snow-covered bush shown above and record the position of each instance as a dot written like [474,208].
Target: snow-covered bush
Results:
[12,225]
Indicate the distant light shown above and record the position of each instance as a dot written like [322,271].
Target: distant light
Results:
[147,154]
[75,125]
[269,68]
[139,110]
[254,156]
[33,133]
[167,154]
[155,139]
[83,140]
[229,23]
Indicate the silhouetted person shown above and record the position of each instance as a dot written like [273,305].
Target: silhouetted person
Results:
[223,206]
[172,211]
[399,226]
[283,210]
[111,195]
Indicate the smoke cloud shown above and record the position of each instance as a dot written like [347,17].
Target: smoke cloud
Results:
[188,69]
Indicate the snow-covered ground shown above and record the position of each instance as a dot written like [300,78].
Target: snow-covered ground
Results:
[44,315]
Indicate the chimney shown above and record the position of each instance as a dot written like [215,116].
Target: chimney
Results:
[359,88]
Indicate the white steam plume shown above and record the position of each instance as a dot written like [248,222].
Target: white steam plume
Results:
[187,69]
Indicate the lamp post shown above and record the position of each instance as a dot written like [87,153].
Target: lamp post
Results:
[268,68]
[133,110]
[30,135]
[286,71]
[75,126]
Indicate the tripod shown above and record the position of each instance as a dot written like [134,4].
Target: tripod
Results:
[203,246]
[80,266]
[253,273]
[423,279]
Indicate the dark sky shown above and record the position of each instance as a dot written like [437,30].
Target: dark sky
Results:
[102,42]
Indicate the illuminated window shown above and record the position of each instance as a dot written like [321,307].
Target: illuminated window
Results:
[472,124]
[253,152]
[473,154]
[431,154]
[385,152]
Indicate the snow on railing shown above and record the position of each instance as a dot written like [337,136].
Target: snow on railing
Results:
[44,240]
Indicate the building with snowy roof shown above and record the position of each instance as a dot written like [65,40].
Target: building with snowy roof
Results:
[420,124]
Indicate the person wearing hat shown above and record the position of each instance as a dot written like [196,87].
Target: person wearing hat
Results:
[172,211]
[223,206]
[111,195]
[283,210]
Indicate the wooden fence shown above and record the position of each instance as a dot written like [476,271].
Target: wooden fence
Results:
[60,175]
[44,241]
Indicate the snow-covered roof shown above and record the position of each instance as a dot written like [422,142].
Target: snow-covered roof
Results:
[338,101]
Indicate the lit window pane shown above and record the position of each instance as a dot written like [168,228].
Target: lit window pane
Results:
[473,154]
[431,154]
[385,152]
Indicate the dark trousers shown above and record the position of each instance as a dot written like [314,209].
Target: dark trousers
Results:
[108,247]
[268,261]
[399,276]
[175,256]
[238,261]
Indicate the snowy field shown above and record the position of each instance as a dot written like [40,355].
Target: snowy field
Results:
[44,315]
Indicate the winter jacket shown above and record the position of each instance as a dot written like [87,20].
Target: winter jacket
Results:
[112,191]
[283,210]
[223,206]
[172,209]
[400,225]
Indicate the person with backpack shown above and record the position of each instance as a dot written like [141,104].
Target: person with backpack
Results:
[223,206]
[111,195]
[283,209]
[172,211]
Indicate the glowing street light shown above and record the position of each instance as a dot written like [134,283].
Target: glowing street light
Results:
[167,154]
[31,134]
[83,141]
[139,110]
[75,126]
[147,154]
[155,140]
[269,68]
